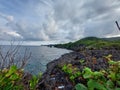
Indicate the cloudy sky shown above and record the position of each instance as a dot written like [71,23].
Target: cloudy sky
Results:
[58,20]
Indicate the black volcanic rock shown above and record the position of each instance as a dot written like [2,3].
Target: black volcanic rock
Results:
[55,79]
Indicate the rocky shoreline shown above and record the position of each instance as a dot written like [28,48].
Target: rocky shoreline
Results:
[55,79]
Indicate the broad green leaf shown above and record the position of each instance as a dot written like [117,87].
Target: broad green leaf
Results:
[112,76]
[92,85]
[97,74]
[112,62]
[87,73]
[80,87]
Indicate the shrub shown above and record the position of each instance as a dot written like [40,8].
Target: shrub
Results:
[10,79]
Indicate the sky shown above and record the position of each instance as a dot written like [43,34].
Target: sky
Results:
[58,20]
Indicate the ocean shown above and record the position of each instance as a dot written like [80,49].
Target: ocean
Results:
[40,56]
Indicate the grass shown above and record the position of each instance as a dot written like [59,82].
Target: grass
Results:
[91,43]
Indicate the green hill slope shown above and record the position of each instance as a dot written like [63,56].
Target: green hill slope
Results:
[92,43]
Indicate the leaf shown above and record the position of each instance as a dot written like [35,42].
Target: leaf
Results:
[87,73]
[77,74]
[110,84]
[33,82]
[64,68]
[112,62]
[69,71]
[14,77]
[11,71]
[80,87]
[72,77]
[112,76]
[97,74]
[92,85]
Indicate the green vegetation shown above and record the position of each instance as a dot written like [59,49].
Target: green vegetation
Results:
[12,79]
[96,80]
[12,75]
[34,81]
[72,71]
[91,43]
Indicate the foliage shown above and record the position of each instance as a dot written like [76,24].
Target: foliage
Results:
[95,79]
[11,73]
[34,81]
[72,71]
[80,87]
[10,79]
[93,84]
[91,43]
[108,79]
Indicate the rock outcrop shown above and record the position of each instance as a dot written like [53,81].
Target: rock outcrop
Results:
[55,79]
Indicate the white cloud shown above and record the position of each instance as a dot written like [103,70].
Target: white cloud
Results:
[7,34]
[14,34]
[43,36]
[63,20]
[90,18]
[111,35]
[9,18]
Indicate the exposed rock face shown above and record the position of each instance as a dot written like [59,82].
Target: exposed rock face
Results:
[55,79]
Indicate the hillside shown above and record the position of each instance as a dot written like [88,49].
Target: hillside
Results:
[94,64]
[92,43]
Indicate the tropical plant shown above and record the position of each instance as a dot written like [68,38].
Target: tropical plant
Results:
[108,79]
[34,81]
[10,79]
[73,72]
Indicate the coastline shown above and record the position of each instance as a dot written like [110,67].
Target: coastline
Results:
[55,77]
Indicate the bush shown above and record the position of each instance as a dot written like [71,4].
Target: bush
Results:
[12,76]
[10,79]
